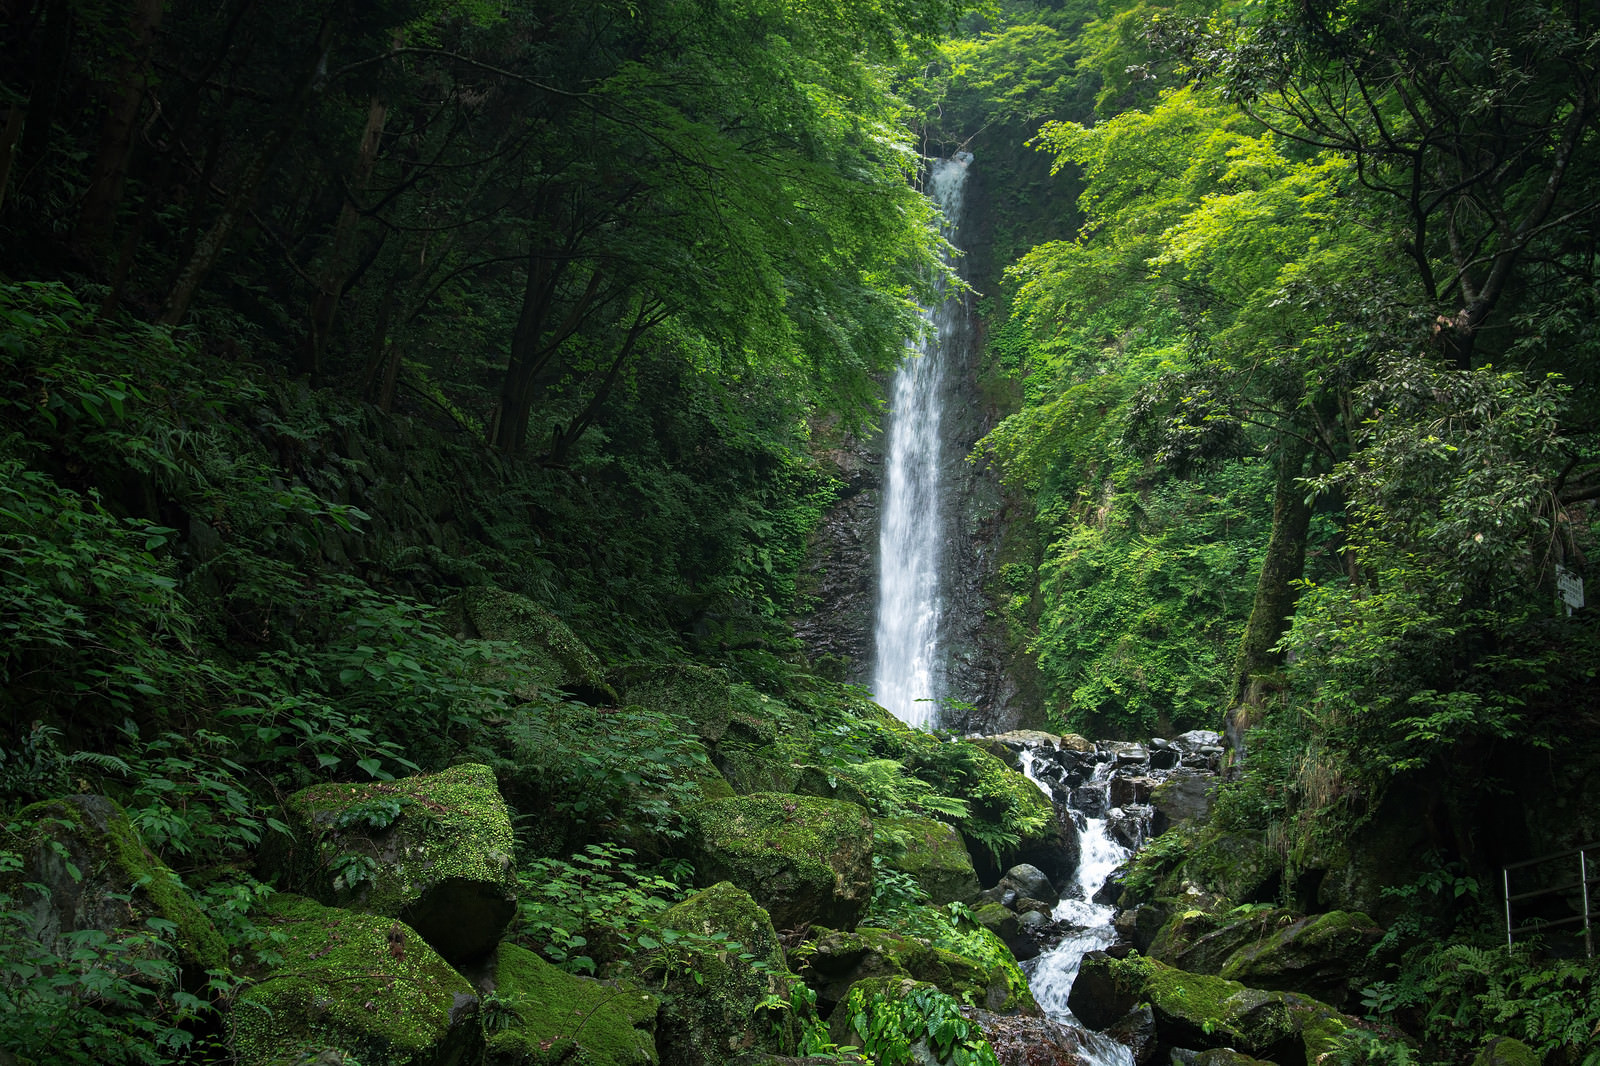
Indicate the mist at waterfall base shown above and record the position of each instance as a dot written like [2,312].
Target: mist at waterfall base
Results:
[907,678]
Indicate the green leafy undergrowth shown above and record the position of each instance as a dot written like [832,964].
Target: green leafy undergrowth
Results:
[901,906]
[584,912]
[1456,995]
[891,1026]
[100,998]
[596,770]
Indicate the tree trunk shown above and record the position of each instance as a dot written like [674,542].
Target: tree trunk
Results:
[49,71]
[8,146]
[335,274]
[124,99]
[1275,588]
[209,248]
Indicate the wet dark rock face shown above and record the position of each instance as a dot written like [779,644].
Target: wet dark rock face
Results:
[840,580]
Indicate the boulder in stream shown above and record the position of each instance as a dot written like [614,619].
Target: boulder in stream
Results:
[1200,1012]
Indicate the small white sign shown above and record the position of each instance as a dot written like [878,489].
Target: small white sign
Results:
[1570,586]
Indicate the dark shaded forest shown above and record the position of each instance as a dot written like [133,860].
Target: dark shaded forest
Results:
[402,387]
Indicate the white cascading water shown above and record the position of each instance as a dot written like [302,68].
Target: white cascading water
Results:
[1050,976]
[906,680]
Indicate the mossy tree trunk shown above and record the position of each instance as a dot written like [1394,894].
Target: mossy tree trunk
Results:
[1275,588]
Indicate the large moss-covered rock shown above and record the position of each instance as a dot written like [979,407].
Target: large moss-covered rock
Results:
[1197,1011]
[930,851]
[720,960]
[1506,1051]
[360,984]
[434,851]
[1324,956]
[1235,866]
[553,1016]
[696,695]
[93,871]
[835,960]
[1005,799]
[807,860]
[1357,872]
[1202,941]
[552,655]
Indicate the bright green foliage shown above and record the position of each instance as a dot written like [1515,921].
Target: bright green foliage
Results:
[1458,991]
[1169,575]
[583,912]
[890,1025]
[1442,644]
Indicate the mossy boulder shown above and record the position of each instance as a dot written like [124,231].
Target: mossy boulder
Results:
[719,961]
[1004,800]
[837,959]
[1324,955]
[553,1016]
[97,874]
[807,860]
[434,851]
[1225,1056]
[360,984]
[1357,872]
[930,851]
[1237,867]
[552,655]
[1202,941]
[1506,1051]
[1201,1012]
[696,695]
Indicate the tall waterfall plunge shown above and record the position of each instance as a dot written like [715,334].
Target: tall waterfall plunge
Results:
[909,678]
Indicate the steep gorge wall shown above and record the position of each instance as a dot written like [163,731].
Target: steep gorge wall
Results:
[987,679]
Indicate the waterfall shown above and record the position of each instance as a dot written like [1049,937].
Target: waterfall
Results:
[908,678]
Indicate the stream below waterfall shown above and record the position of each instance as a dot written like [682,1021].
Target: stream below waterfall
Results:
[1108,794]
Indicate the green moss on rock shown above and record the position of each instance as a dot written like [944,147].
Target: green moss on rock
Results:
[835,960]
[1235,866]
[696,695]
[719,961]
[930,851]
[434,851]
[118,883]
[807,860]
[555,1016]
[1506,1051]
[1323,955]
[1194,1010]
[358,983]
[553,654]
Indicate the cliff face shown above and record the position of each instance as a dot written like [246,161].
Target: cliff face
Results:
[985,679]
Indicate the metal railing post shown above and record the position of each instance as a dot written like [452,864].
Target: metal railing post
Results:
[1583,879]
[1505,879]
[1540,925]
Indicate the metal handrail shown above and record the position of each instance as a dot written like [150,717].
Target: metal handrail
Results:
[1583,882]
